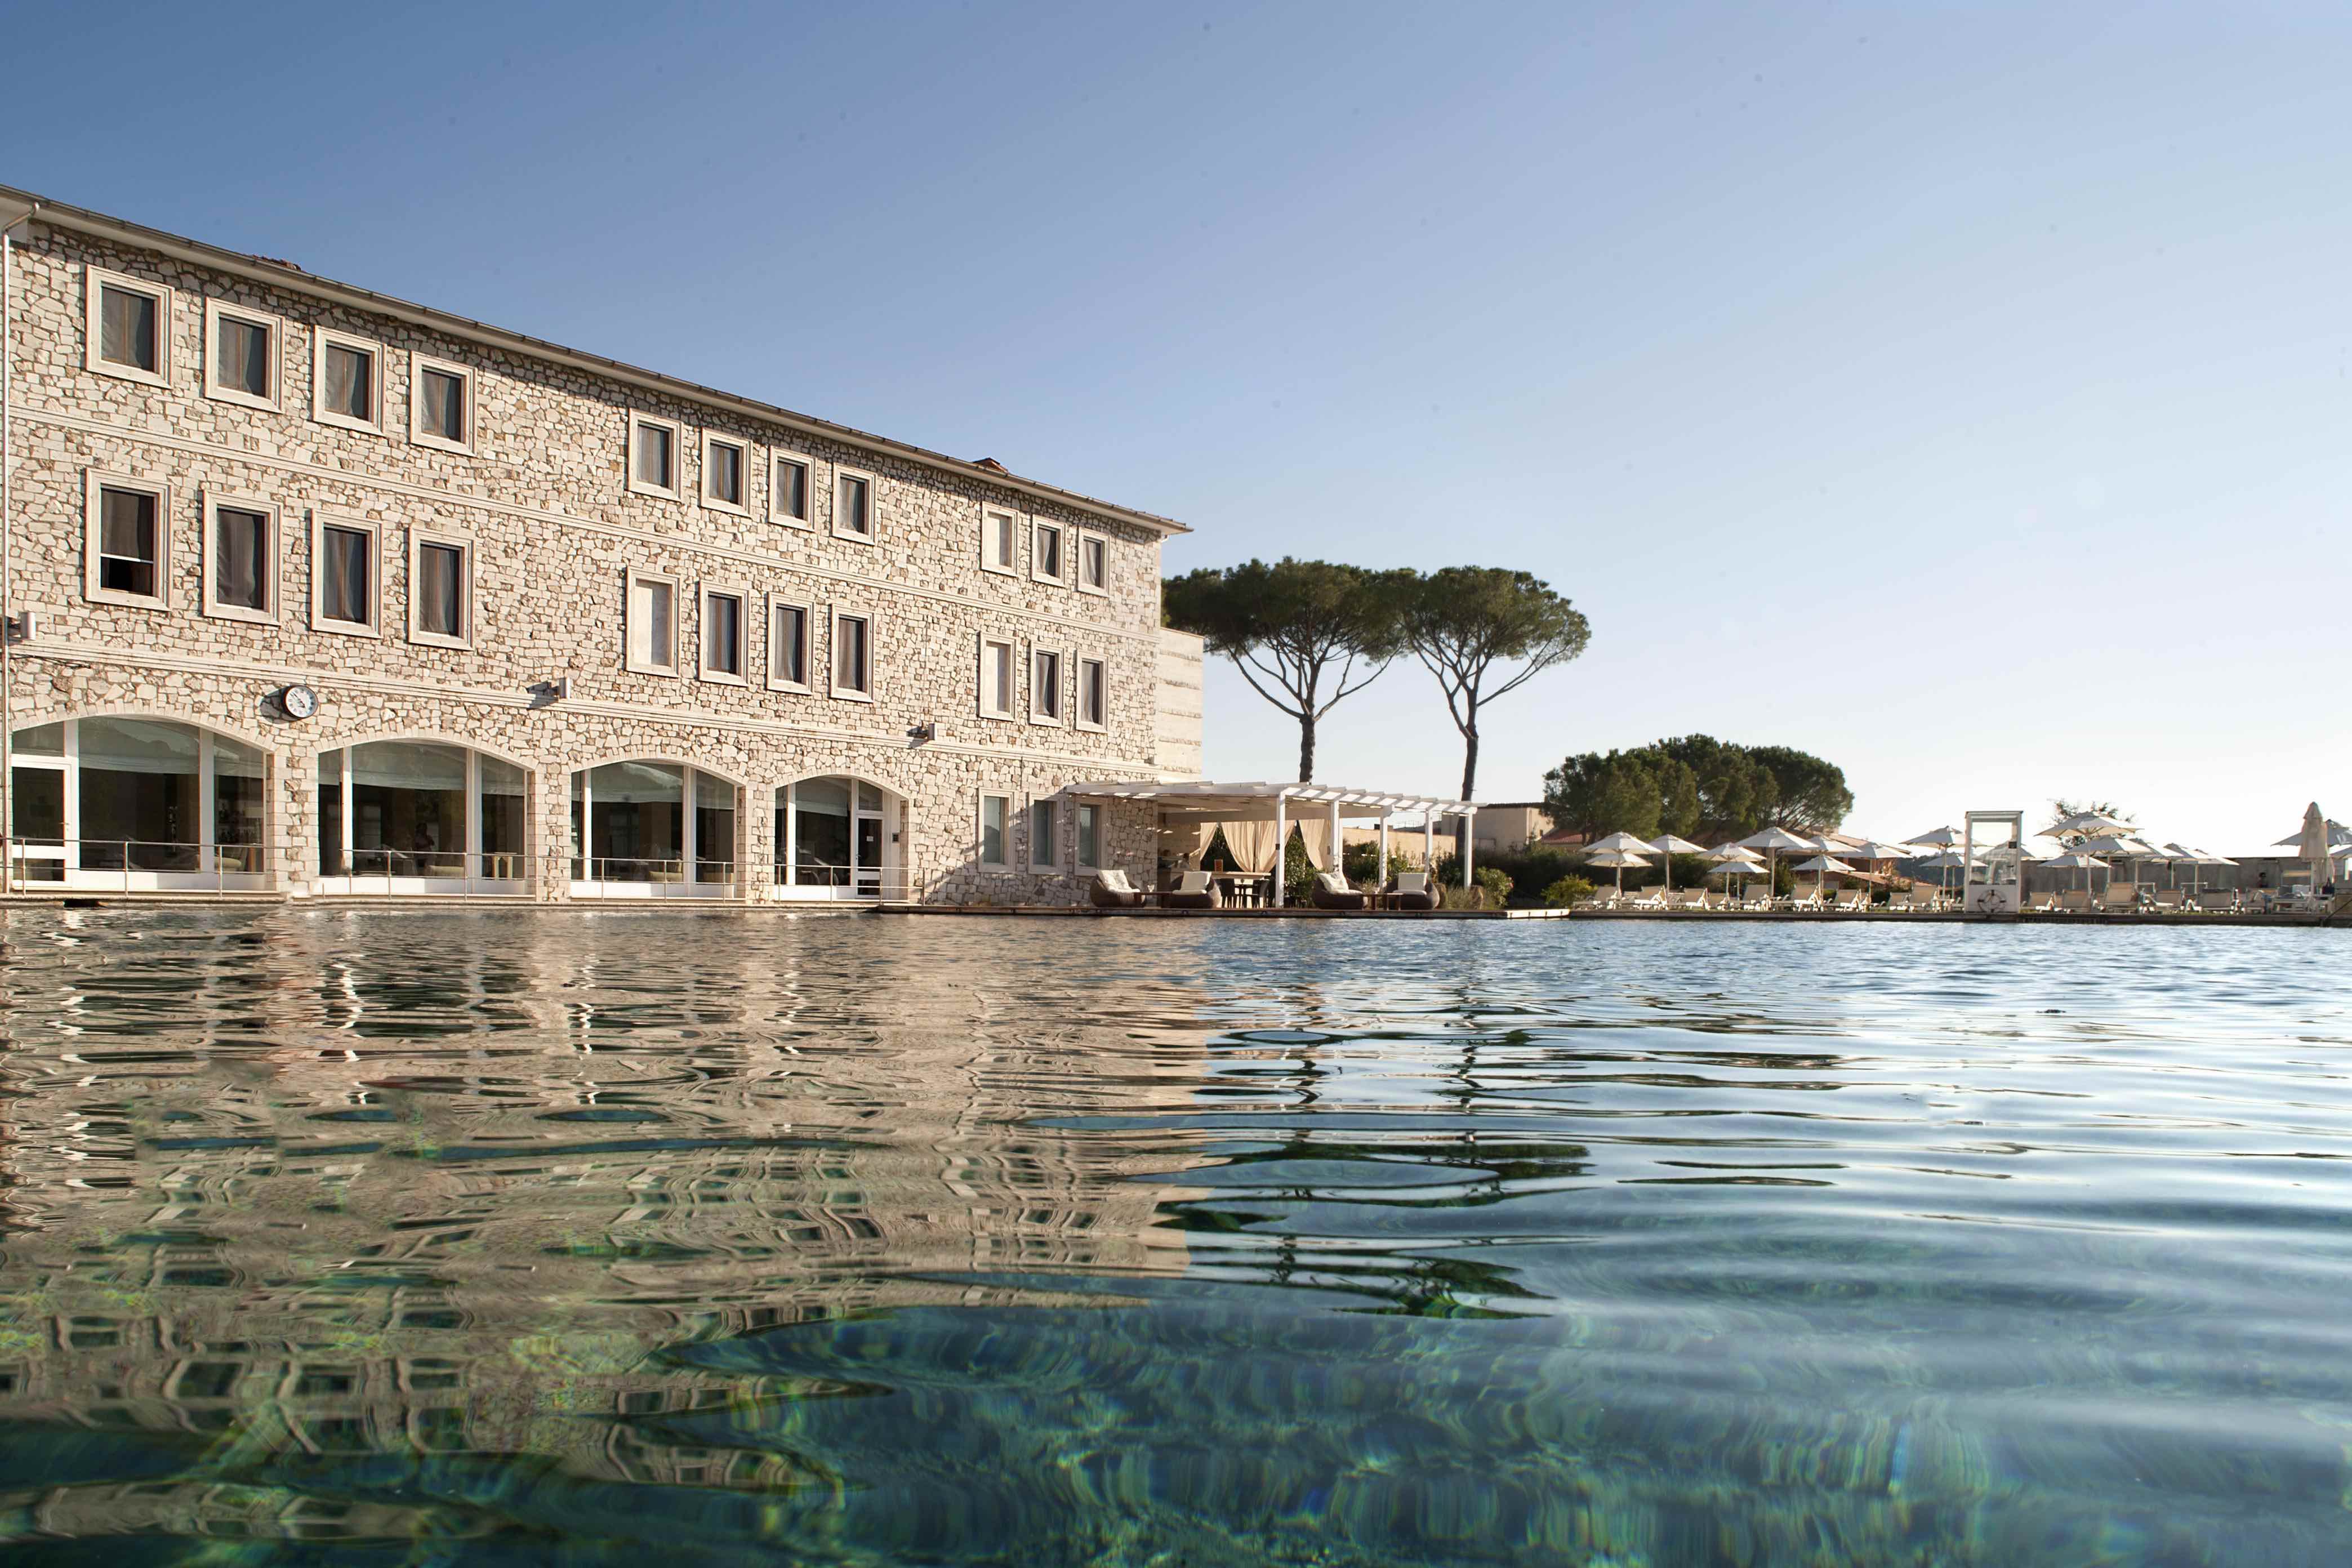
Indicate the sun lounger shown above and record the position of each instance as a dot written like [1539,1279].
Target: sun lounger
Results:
[1759,899]
[1646,899]
[2170,900]
[1332,893]
[2217,899]
[2043,904]
[1802,899]
[1194,892]
[1112,890]
[1854,902]
[1690,898]
[1603,898]
[2075,901]
[1412,892]
[2124,899]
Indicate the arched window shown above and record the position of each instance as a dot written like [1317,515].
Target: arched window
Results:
[836,838]
[421,816]
[652,829]
[137,803]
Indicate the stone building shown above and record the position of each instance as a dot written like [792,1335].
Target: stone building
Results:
[312,591]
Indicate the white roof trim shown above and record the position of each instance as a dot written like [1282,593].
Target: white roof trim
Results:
[1203,793]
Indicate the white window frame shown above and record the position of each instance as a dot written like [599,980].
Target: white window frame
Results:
[747,454]
[629,659]
[321,520]
[1078,861]
[418,364]
[322,340]
[101,480]
[1079,695]
[418,537]
[1029,832]
[703,666]
[272,569]
[1061,658]
[810,466]
[808,644]
[1012,669]
[1090,539]
[215,310]
[979,831]
[1039,525]
[93,277]
[676,458]
[873,655]
[988,563]
[873,505]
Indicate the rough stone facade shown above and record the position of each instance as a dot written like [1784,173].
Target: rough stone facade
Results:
[555,528]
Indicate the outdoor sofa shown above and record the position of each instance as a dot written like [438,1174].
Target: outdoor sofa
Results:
[1112,890]
[1194,891]
[1414,892]
[1332,893]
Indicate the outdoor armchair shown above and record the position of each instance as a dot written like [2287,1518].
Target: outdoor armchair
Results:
[1194,892]
[1414,892]
[1332,893]
[1112,890]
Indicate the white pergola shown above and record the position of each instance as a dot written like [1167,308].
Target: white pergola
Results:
[1201,802]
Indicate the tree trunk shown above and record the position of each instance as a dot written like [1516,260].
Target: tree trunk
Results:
[1469,783]
[1305,748]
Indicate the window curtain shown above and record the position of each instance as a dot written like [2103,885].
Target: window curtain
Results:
[126,524]
[440,571]
[346,574]
[138,746]
[236,558]
[792,489]
[126,328]
[653,456]
[347,382]
[443,415]
[244,351]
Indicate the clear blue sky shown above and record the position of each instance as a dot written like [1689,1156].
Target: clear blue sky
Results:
[1957,392]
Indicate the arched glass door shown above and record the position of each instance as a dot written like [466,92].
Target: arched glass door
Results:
[652,829]
[836,838]
[419,816]
[134,803]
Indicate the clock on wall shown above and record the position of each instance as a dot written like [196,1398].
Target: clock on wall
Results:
[298,702]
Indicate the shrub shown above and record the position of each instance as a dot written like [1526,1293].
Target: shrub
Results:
[1568,891]
[1361,864]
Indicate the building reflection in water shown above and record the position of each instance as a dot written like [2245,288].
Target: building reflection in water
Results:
[348,1183]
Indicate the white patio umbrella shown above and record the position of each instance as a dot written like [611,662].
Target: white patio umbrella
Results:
[2118,846]
[2312,845]
[1621,844]
[1821,866]
[1620,859]
[2075,860]
[1668,846]
[1734,859]
[1774,839]
[1937,838]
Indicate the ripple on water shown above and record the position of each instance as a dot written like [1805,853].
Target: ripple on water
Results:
[519,1237]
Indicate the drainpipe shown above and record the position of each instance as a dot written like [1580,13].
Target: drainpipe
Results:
[7,531]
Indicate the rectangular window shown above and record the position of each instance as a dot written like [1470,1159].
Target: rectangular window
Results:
[1045,835]
[1089,833]
[996,830]
[346,567]
[440,591]
[787,502]
[853,506]
[653,624]
[1046,553]
[1093,694]
[129,541]
[240,559]
[1094,564]
[998,542]
[347,377]
[853,656]
[127,327]
[788,646]
[996,683]
[440,405]
[724,463]
[240,355]
[722,634]
[653,456]
[1044,687]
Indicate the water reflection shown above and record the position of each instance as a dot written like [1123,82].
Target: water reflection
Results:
[443,1236]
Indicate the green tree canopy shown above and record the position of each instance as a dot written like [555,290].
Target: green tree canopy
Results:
[1296,630]
[1698,787]
[1483,632]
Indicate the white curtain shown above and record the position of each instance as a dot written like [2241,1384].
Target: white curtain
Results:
[126,328]
[236,558]
[347,382]
[1316,831]
[1252,844]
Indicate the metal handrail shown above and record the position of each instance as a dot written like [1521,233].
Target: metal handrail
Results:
[431,865]
[599,868]
[225,860]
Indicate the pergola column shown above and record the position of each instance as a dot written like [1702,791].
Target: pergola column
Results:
[1382,876]
[1339,856]
[1281,843]
[1468,835]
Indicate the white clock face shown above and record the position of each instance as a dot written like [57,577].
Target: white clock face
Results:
[300,701]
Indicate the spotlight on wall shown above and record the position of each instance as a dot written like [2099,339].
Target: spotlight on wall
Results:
[554,689]
[25,627]
[922,732]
